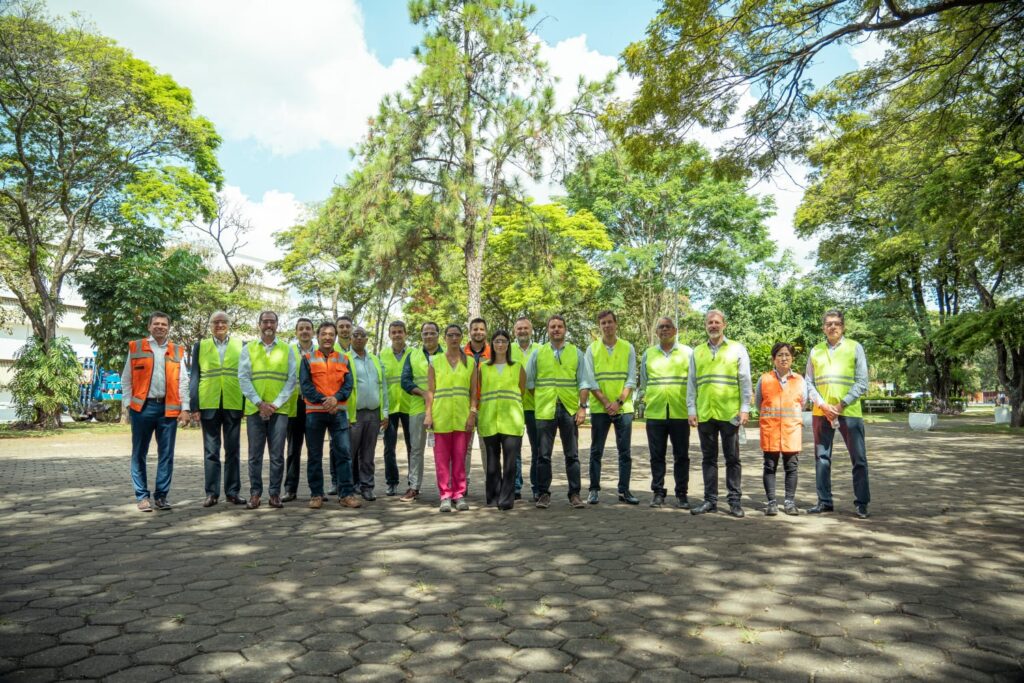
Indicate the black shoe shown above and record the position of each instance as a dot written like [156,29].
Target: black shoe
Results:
[862,511]
[819,509]
[518,496]
[593,498]
[703,507]
[161,504]
[772,509]
[535,497]
[790,508]
[210,501]
[657,501]
[367,494]
[288,497]
[627,497]
[682,503]
[392,489]
[735,510]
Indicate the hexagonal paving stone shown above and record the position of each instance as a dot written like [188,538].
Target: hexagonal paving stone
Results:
[533,638]
[373,673]
[540,659]
[381,653]
[211,663]
[488,671]
[590,647]
[58,656]
[322,663]
[273,651]
[602,670]
[96,666]
[387,632]
[168,653]
[258,671]
[141,674]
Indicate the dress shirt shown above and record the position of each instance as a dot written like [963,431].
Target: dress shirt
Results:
[158,383]
[245,375]
[860,375]
[783,380]
[742,374]
[368,385]
[584,378]
[643,361]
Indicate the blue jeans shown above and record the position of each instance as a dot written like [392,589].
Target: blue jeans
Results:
[531,434]
[600,424]
[317,424]
[852,430]
[266,435]
[144,423]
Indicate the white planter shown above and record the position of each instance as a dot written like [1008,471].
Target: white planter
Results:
[923,422]
[1002,415]
[808,418]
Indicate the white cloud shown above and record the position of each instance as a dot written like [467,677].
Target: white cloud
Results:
[868,50]
[289,76]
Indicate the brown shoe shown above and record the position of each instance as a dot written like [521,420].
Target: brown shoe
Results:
[275,502]
[288,497]
[210,501]
[409,496]
[144,505]
[316,502]
[576,502]
[254,502]
[350,501]
[235,500]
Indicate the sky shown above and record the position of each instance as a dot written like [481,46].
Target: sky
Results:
[290,86]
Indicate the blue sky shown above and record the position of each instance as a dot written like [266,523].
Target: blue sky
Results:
[290,85]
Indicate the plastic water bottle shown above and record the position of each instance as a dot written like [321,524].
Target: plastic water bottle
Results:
[742,435]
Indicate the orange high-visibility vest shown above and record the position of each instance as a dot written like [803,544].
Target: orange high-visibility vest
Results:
[328,374]
[141,357]
[780,418]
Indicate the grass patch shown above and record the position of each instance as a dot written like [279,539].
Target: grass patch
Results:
[178,618]
[496,603]
[975,428]
[541,609]
[19,431]
[750,637]
[424,587]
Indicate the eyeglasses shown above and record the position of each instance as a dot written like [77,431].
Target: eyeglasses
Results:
[665,327]
[833,323]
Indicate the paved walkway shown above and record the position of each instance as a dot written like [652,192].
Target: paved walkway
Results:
[930,587]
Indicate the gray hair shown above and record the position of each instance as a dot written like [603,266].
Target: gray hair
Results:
[215,314]
[715,311]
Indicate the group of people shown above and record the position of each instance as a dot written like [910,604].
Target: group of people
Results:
[328,383]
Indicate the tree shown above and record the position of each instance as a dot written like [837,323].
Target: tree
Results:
[85,128]
[700,57]
[45,381]
[481,111]
[676,229]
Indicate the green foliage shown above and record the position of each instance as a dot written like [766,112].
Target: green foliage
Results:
[134,276]
[678,230]
[45,381]
[699,57]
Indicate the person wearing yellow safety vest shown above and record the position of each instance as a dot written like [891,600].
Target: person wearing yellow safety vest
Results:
[216,399]
[368,411]
[305,347]
[154,383]
[522,349]
[718,397]
[612,363]
[344,344]
[477,349]
[393,360]
[502,384]
[557,374]
[664,371]
[414,384]
[780,397]
[837,377]
[268,373]
[451,413]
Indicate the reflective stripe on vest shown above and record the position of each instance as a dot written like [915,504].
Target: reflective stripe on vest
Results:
[328,376]
[218,384]
[354,396]
[718,385]
[420,365]
[269,374]
[834,374]
[611,372]
[450,409]
[520,356]
[501,403]
[556,381]
[780,420]
[141,359]
[397,402]
[665,390]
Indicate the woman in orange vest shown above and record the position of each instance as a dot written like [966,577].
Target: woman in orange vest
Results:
[780,397]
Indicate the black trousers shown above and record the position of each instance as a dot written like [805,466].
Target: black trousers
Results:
[710,431]
[500,487]
[293,449]
[565,424]
[790,462]
[659,432]
[390,441]
[216,423]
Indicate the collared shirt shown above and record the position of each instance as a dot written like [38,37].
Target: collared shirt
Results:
[197,369]
[368,386]
[158,382]
[408,379]
[742,375]
[630,369]
[245,376]
[304,351]
[643,360]
[221,346]
[860,374]
[584,378]
[783,380]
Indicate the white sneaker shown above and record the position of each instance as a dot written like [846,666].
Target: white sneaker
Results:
[461,505]
[446,505]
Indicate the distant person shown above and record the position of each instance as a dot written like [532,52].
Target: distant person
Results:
[718,402]
[664,371]
[393,360]
[522,349]
[780,397]
[368,412]
[837,378]
[154,383]
[414,384]
[304,346]
[502,383]
[216,397]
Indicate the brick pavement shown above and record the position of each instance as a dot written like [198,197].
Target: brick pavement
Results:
[930,587]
